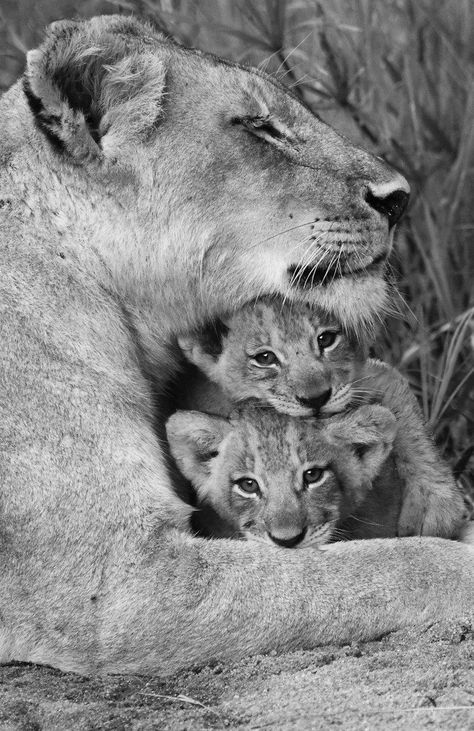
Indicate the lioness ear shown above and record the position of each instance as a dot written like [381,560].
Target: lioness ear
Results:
[95,85]
[195,439]
[370,430]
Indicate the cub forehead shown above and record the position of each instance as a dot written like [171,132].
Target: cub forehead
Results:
[272,323]
[310,444]
[258,431]
[242,449]
[271,441]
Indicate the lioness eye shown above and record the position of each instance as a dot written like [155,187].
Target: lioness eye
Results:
[313,475]
[328,339]
[266,358]
[247,487]
[264,127]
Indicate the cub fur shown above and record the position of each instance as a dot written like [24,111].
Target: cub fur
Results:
[285,480]
[148,189]
[301,361]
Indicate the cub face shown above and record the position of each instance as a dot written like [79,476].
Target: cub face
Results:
[297,359]
[282,480]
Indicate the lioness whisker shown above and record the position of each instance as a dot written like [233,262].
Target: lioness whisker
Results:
[279,233]
[293,50]
[306,257]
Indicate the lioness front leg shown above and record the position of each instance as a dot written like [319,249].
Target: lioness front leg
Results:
[432,502]
[205,600]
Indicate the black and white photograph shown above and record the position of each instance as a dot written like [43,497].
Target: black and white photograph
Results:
[236,365]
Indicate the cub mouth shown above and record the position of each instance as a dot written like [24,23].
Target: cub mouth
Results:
[307,277]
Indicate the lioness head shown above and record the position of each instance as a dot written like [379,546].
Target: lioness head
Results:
[198,183]
[279,479]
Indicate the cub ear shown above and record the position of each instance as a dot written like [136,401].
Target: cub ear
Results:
[203,348]
[195,439]
[371,430]
[196,354]
[95,85]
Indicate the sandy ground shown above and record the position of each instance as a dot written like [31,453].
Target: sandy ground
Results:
[402,681]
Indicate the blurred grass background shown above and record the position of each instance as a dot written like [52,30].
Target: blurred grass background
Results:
[397,76]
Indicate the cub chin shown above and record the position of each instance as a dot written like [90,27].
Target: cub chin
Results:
[291,482]
[300,361]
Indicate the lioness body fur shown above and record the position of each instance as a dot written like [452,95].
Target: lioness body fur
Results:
[309,379]
[126,220]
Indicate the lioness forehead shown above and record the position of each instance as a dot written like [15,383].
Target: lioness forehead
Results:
[236,92]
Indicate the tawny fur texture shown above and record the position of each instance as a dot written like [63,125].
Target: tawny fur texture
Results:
[129,216]
[433,504]
[312,365]
[285,480]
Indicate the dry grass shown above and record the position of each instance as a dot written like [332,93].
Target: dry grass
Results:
[396,76]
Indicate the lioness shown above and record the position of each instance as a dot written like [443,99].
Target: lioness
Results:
[301,361]
[145,189]
[288,481]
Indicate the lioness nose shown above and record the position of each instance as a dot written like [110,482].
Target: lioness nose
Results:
[389,199]
[316,402]
[289,542]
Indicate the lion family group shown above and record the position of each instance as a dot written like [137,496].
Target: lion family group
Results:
[191,266]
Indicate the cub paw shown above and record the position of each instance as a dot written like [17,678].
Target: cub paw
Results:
[467,533]
[440,517]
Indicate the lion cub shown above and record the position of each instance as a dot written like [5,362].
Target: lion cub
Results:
[293,482]
[301,362]
[292,357]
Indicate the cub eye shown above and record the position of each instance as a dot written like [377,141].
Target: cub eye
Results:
[328,339]
[265,358]
[247,487]
[314,475]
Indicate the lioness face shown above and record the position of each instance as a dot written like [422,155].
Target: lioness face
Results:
[286,204]
[282,480]
[218,185]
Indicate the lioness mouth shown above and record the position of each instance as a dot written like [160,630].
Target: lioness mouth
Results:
[309,276]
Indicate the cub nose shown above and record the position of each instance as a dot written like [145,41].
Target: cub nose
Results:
[289,542]
[389,199]
[316,402]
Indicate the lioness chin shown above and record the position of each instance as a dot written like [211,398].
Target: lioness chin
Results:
[147,188]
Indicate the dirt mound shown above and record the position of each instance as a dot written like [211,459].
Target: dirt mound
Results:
[401,681]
